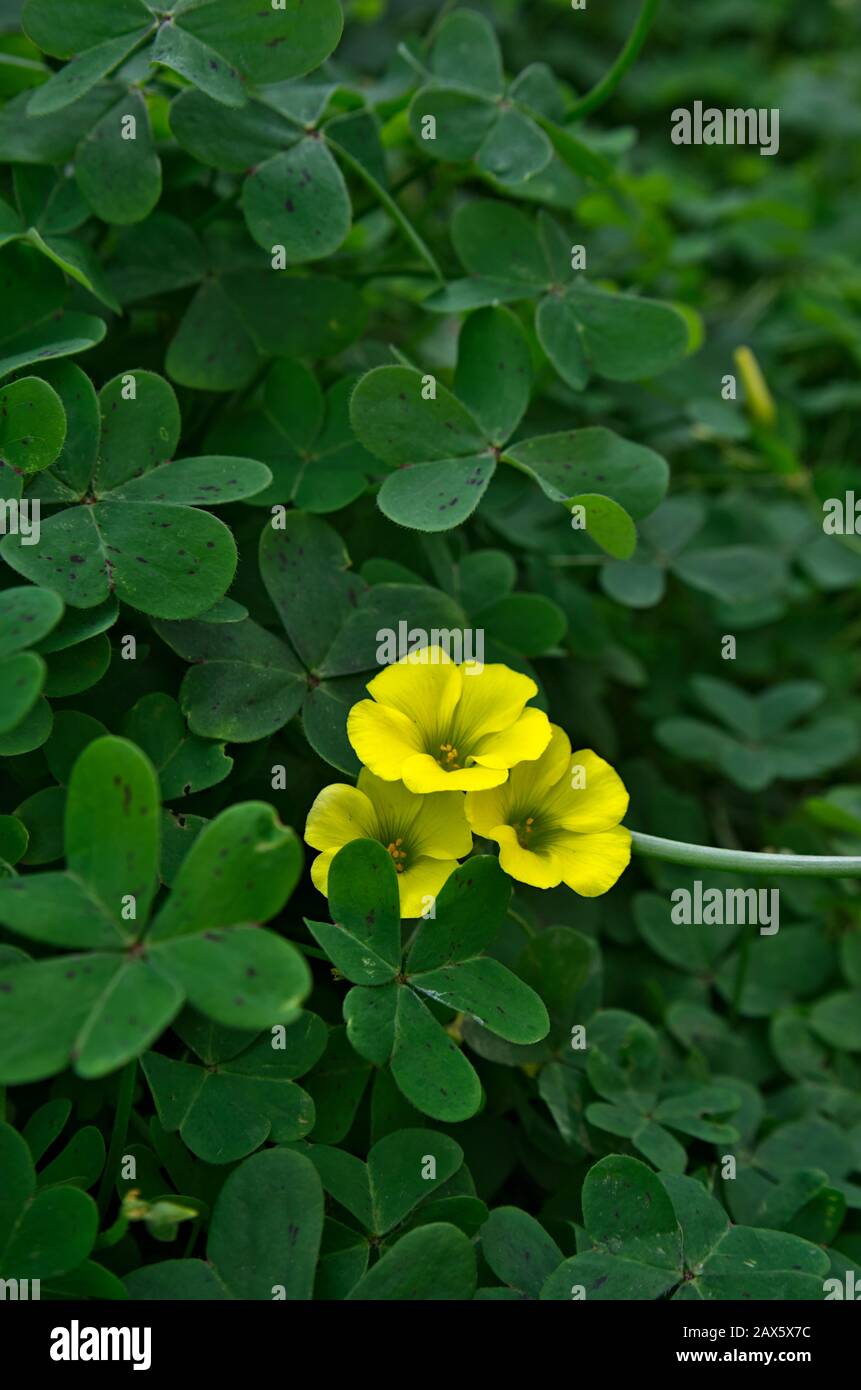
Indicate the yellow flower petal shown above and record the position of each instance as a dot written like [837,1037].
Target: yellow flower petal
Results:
[491,699]
[422,773]
[540,777]
[340,813]
[591,864]
[485,810]
[523,741]
[425,689]
[528,784]
[422,879]
[383,738]
[441,830]
[598,805]
[538,870]
[320,870]
[432,826]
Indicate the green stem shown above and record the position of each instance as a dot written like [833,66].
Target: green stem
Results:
[521,922]
[312,951]
[125,1096]
[746,861]
[384,197]
[525,926]
[610,81]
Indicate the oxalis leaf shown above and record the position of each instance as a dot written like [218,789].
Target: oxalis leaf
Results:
[583,328]
[445,460]
[32,426]
[114,1002]
[227,1108]
[133,533]
[403,1169]
[461,115]
[652,1235]
[264,1238]
[247,682]
[298,200]
[217,44]
[305,439]
[312,353]
[386,1016]
[42,1234]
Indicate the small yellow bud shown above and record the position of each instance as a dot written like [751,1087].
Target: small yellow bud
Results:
[760,401]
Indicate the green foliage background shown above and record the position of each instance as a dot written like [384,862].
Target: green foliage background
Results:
[554,1167]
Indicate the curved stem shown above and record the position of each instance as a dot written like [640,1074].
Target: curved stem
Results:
[383,196]
[521,921]
[125,1096]
[610,81]
[746,861]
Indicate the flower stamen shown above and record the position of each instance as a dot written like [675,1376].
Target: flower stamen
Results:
[449,761]
[398,854]
[523,832]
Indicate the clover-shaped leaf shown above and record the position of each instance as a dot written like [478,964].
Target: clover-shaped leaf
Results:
[132,531]
[305,439]
[699,928]
[298,200]
[240,1094]
[396,1178]
[583,328]
[247,682]
[294,195]
[43,1233]
[652,1236]
[446,449]
[387,1018]
[813,1142]
[519,1250]
[264,1236]
[32,426]
[237,319]
[219,45]
[758,743]
[623,1066]
[734,574]
[432,1262]
[184,762]
[129,980]
[466,112]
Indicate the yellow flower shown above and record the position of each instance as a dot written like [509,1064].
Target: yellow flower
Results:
[557,820]
[441,727]
[425,835]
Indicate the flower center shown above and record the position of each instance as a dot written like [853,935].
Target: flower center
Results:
[525,831]
[448,757]
[398,854]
